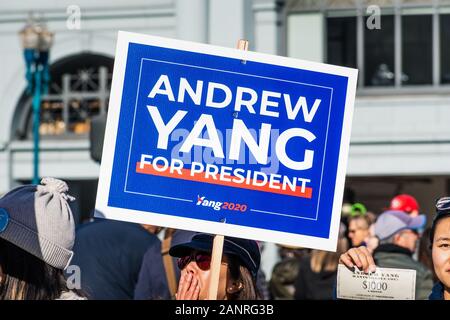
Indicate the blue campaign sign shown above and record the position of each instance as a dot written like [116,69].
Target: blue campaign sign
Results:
[225,141]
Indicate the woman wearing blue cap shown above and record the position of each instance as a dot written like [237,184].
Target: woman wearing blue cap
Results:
[238,271]
[440,248]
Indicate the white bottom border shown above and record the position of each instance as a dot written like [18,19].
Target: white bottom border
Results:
[159,219]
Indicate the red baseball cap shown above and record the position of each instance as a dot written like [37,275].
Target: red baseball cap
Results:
[405,203]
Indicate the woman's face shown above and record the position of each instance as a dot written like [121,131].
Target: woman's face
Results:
[441,251]
[358,231]
[197,273]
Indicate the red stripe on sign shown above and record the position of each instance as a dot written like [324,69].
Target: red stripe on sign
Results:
[186,175]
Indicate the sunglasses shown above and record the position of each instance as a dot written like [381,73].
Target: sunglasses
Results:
[203,260]
[443,205]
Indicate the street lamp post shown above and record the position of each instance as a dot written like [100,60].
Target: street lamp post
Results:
[36,42]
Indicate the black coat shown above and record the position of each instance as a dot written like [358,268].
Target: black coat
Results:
[311,285]
[109,254]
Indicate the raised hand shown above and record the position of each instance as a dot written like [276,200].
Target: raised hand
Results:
[359,257]
[188,288]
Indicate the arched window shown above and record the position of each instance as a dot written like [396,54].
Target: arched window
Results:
[79,89]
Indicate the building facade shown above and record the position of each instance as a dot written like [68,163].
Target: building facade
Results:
[400,137]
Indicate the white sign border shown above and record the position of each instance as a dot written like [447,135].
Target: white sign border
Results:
[135,216]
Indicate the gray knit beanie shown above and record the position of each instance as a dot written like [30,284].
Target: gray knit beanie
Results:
[38,219]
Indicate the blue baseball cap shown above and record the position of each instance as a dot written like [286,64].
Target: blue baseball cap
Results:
[393,221]
[247,251]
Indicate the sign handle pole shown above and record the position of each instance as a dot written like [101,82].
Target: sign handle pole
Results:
[217,250]
[216,259]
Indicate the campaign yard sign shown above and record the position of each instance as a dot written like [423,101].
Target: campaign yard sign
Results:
[225,141]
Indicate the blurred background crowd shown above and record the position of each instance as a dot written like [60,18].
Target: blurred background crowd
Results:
[119,260]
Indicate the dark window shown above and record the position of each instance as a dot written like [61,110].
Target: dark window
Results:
[379,59]
[79,89]
[341,39]
[445,48]
[417,52]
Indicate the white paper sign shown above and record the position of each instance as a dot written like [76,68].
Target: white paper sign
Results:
[384,284]
[180,152]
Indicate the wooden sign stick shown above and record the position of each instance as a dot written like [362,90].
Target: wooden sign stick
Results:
[217,250]
[216,259]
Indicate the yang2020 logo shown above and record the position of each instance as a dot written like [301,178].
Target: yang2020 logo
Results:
[219,205]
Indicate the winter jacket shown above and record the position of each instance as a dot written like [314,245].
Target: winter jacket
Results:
[109,254]
[283,277]
[393,256]
[437,293]
[311,285]
[152,282]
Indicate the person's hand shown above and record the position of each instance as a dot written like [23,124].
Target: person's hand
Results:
[359,257]
[188,288]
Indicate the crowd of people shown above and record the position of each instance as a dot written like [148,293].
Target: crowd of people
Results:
[120,260]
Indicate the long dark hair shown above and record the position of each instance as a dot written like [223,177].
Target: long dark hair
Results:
[241,274]
[424,253]
[25,277]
